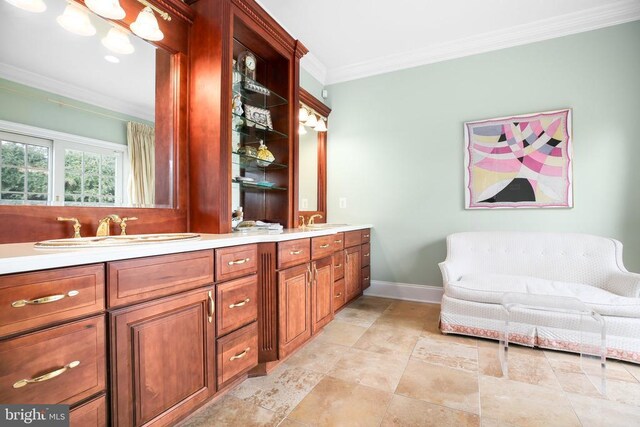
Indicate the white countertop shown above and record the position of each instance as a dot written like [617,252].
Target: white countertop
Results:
[19,257]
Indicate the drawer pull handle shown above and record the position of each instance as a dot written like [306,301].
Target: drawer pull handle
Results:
[366,255]
[339,295]
[324,246]
[338,265]
[240,355]
[47,376]
[337,241]
[239,304]
[238,261]
[298,252]
[365,236]
[211,309]
[43,300]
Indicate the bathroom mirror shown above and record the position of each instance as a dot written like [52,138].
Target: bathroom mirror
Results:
[312,163]
[81,122]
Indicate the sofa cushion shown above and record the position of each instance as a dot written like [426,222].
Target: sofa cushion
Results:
[489,288]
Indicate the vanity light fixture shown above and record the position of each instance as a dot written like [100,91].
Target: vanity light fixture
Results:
[110,9]
[36,6]
[303,115]
[146,26]
[320,126]
[117,41]
[301,129]
[312,121]
[76,20]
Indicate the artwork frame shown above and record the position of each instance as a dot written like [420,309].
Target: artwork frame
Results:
[519,161]
[260,116]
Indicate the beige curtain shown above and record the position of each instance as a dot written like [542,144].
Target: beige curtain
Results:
[142,177]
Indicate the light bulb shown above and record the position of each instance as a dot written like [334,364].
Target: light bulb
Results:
[146,26]
[311,121]
[320,126]
[303,115]
[117,41]
[110,9]
[301,129]
[36,6]
[75,20]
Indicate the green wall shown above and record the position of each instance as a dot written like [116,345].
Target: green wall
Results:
[27,105]
[311,85]
[396,146]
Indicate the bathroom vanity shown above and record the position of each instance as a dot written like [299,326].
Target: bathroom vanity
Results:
[144,334]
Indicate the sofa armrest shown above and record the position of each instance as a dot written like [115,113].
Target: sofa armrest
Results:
[448,272]
[624,284]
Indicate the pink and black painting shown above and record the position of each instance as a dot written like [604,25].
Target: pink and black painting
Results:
[520,161]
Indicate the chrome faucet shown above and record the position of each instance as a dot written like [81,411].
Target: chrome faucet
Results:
[103,224]
[312,218]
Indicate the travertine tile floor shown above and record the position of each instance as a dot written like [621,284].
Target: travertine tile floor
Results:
[384,363]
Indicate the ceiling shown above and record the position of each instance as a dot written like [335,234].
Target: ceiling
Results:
[351,39]
[38,52]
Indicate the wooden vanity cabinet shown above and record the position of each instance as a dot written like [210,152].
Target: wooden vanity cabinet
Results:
[321,292]
[162,358]
[352,272]
[294,308]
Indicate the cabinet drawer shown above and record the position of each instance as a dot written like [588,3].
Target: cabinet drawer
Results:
[237,353]
[322,246]
[366,254]
[63,365]
[91,414]
[31,300]
[142,279]
[237,304]
[294,252]
[352,238]
[338,265]
[366,235]
[338,294]
[236,261]
[366,277]
[338,241]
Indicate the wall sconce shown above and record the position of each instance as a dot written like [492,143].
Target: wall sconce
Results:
[321,126]
[117,41]
[110,9]
[312,121]
[303,115]
[146,26]
[76,20]
[35,6]
[301,129]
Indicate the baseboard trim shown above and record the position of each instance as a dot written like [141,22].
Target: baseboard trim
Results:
[405,291]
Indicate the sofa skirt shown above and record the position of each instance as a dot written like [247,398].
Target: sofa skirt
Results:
[543,329]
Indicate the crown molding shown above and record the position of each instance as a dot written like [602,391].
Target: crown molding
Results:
[77,93]
[315,67]
[615,13]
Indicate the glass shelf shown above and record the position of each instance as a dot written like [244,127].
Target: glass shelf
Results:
[256,94]
[250,162]
[255,186]
[248,128]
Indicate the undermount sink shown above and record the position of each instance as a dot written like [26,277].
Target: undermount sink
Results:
[108,241]
[323,226]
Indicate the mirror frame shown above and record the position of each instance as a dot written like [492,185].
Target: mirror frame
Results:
[313,102]
[28,223]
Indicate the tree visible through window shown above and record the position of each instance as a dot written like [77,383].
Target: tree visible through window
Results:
[89,178]
[24,173]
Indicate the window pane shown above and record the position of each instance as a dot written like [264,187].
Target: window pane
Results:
[91,184]
[73,160]
[37,197]
[12,153]
[12,179]
[91,199]
[72,197]
[38,157]
[109,186]
[108,165]
[12,196]
[72,183]
[91,164]
[37,182]
[109,200]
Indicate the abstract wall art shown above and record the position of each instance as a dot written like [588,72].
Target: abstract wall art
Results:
[519,161]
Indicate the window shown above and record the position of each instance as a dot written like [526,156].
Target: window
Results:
[25,163]
[61,172]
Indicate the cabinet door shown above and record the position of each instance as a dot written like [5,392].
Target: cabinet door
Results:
[322,298]
[294,289]
[352,272]
[162,358]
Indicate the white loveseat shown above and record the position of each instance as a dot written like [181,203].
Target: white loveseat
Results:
[481,266]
